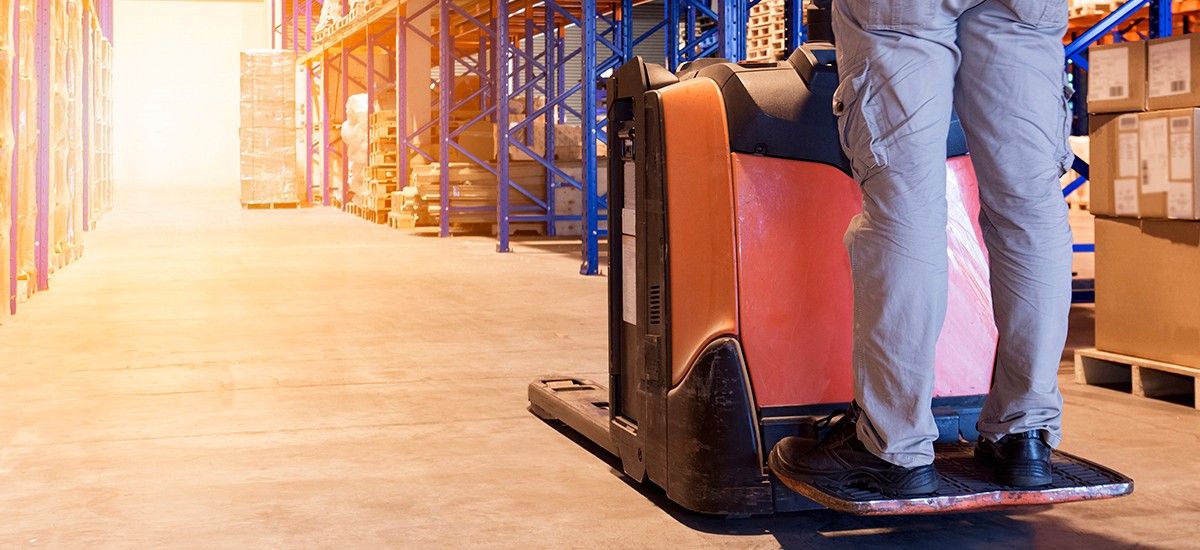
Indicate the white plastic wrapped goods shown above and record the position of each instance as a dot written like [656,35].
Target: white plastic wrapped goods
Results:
[7,142]
[331,13]
[354,134]
[268,129]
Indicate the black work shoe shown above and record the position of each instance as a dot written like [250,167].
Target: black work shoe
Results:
[1018,460]
[841,460]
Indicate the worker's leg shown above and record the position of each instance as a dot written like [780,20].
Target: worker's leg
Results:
[1010,97]
[897,62]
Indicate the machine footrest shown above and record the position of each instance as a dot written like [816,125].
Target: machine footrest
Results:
[968,486]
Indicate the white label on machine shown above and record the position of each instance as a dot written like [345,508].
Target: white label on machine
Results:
[630,179]
[1170,68]
[1108,74]
[1180,201]
[1125,193]
[1181,156]
[629,279]
[629,221]
[1127,155]
[1156,155]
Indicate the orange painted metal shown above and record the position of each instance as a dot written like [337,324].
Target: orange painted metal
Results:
[700,220]
[795,300]
[795,296]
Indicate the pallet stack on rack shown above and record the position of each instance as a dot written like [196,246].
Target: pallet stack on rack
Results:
[26,199]
[373,202]
[268,131]
[66,140]
[1082,8]
[100,198]
[473,196]
[766,31]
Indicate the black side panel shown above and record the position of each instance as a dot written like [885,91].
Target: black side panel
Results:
[773,112]
[654,290]
[785,110]
[637,331]
[712,437]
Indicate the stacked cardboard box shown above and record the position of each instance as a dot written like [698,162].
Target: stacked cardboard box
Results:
[1145,100]
[268,128]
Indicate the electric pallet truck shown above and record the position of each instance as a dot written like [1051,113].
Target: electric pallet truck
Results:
[730,303]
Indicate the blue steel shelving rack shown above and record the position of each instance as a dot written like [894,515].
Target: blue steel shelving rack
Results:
[498,43]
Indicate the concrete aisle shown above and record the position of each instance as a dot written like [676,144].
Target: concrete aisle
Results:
[208,377]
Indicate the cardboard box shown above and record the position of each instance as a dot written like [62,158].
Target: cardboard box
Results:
[1146,294]
[1146,165]
[1173,82]
[1115,163]
[1117,78]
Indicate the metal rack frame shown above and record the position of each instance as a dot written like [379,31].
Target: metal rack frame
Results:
[97,16]
[496,41]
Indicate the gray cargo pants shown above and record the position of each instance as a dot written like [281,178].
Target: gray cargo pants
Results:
[903,64]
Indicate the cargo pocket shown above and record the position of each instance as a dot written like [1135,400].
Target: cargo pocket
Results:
[1064,154]
[858,118]
[875,15]
[1041,14]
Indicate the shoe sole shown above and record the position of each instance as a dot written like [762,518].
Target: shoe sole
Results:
[1019,474]
[796,480]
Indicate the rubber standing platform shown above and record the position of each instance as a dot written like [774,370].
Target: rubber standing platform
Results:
[967,486]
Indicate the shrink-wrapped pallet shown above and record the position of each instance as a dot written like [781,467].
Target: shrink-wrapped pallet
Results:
[7,144]
[268,128]
[354,135]
[27,147]
[76,90]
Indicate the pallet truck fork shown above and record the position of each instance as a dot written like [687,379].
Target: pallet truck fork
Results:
[730,299]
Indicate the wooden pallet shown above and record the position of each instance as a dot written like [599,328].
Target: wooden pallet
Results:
[381,188]
[383,130]
[383,173]
[383,144]
[382,116]
[269,205]
[374,202]
[383,159]
[1092,8]
[1141,377]
[765,32]
[400,220]
[369,214]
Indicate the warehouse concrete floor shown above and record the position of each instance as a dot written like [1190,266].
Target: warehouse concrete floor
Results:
[213,377]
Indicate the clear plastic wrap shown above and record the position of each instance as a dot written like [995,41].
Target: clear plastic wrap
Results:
[354,134]
[7,143]
[268,127]
[75,90]
[59,137]
[27,144]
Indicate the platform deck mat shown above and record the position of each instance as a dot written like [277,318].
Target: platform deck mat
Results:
[967,485]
